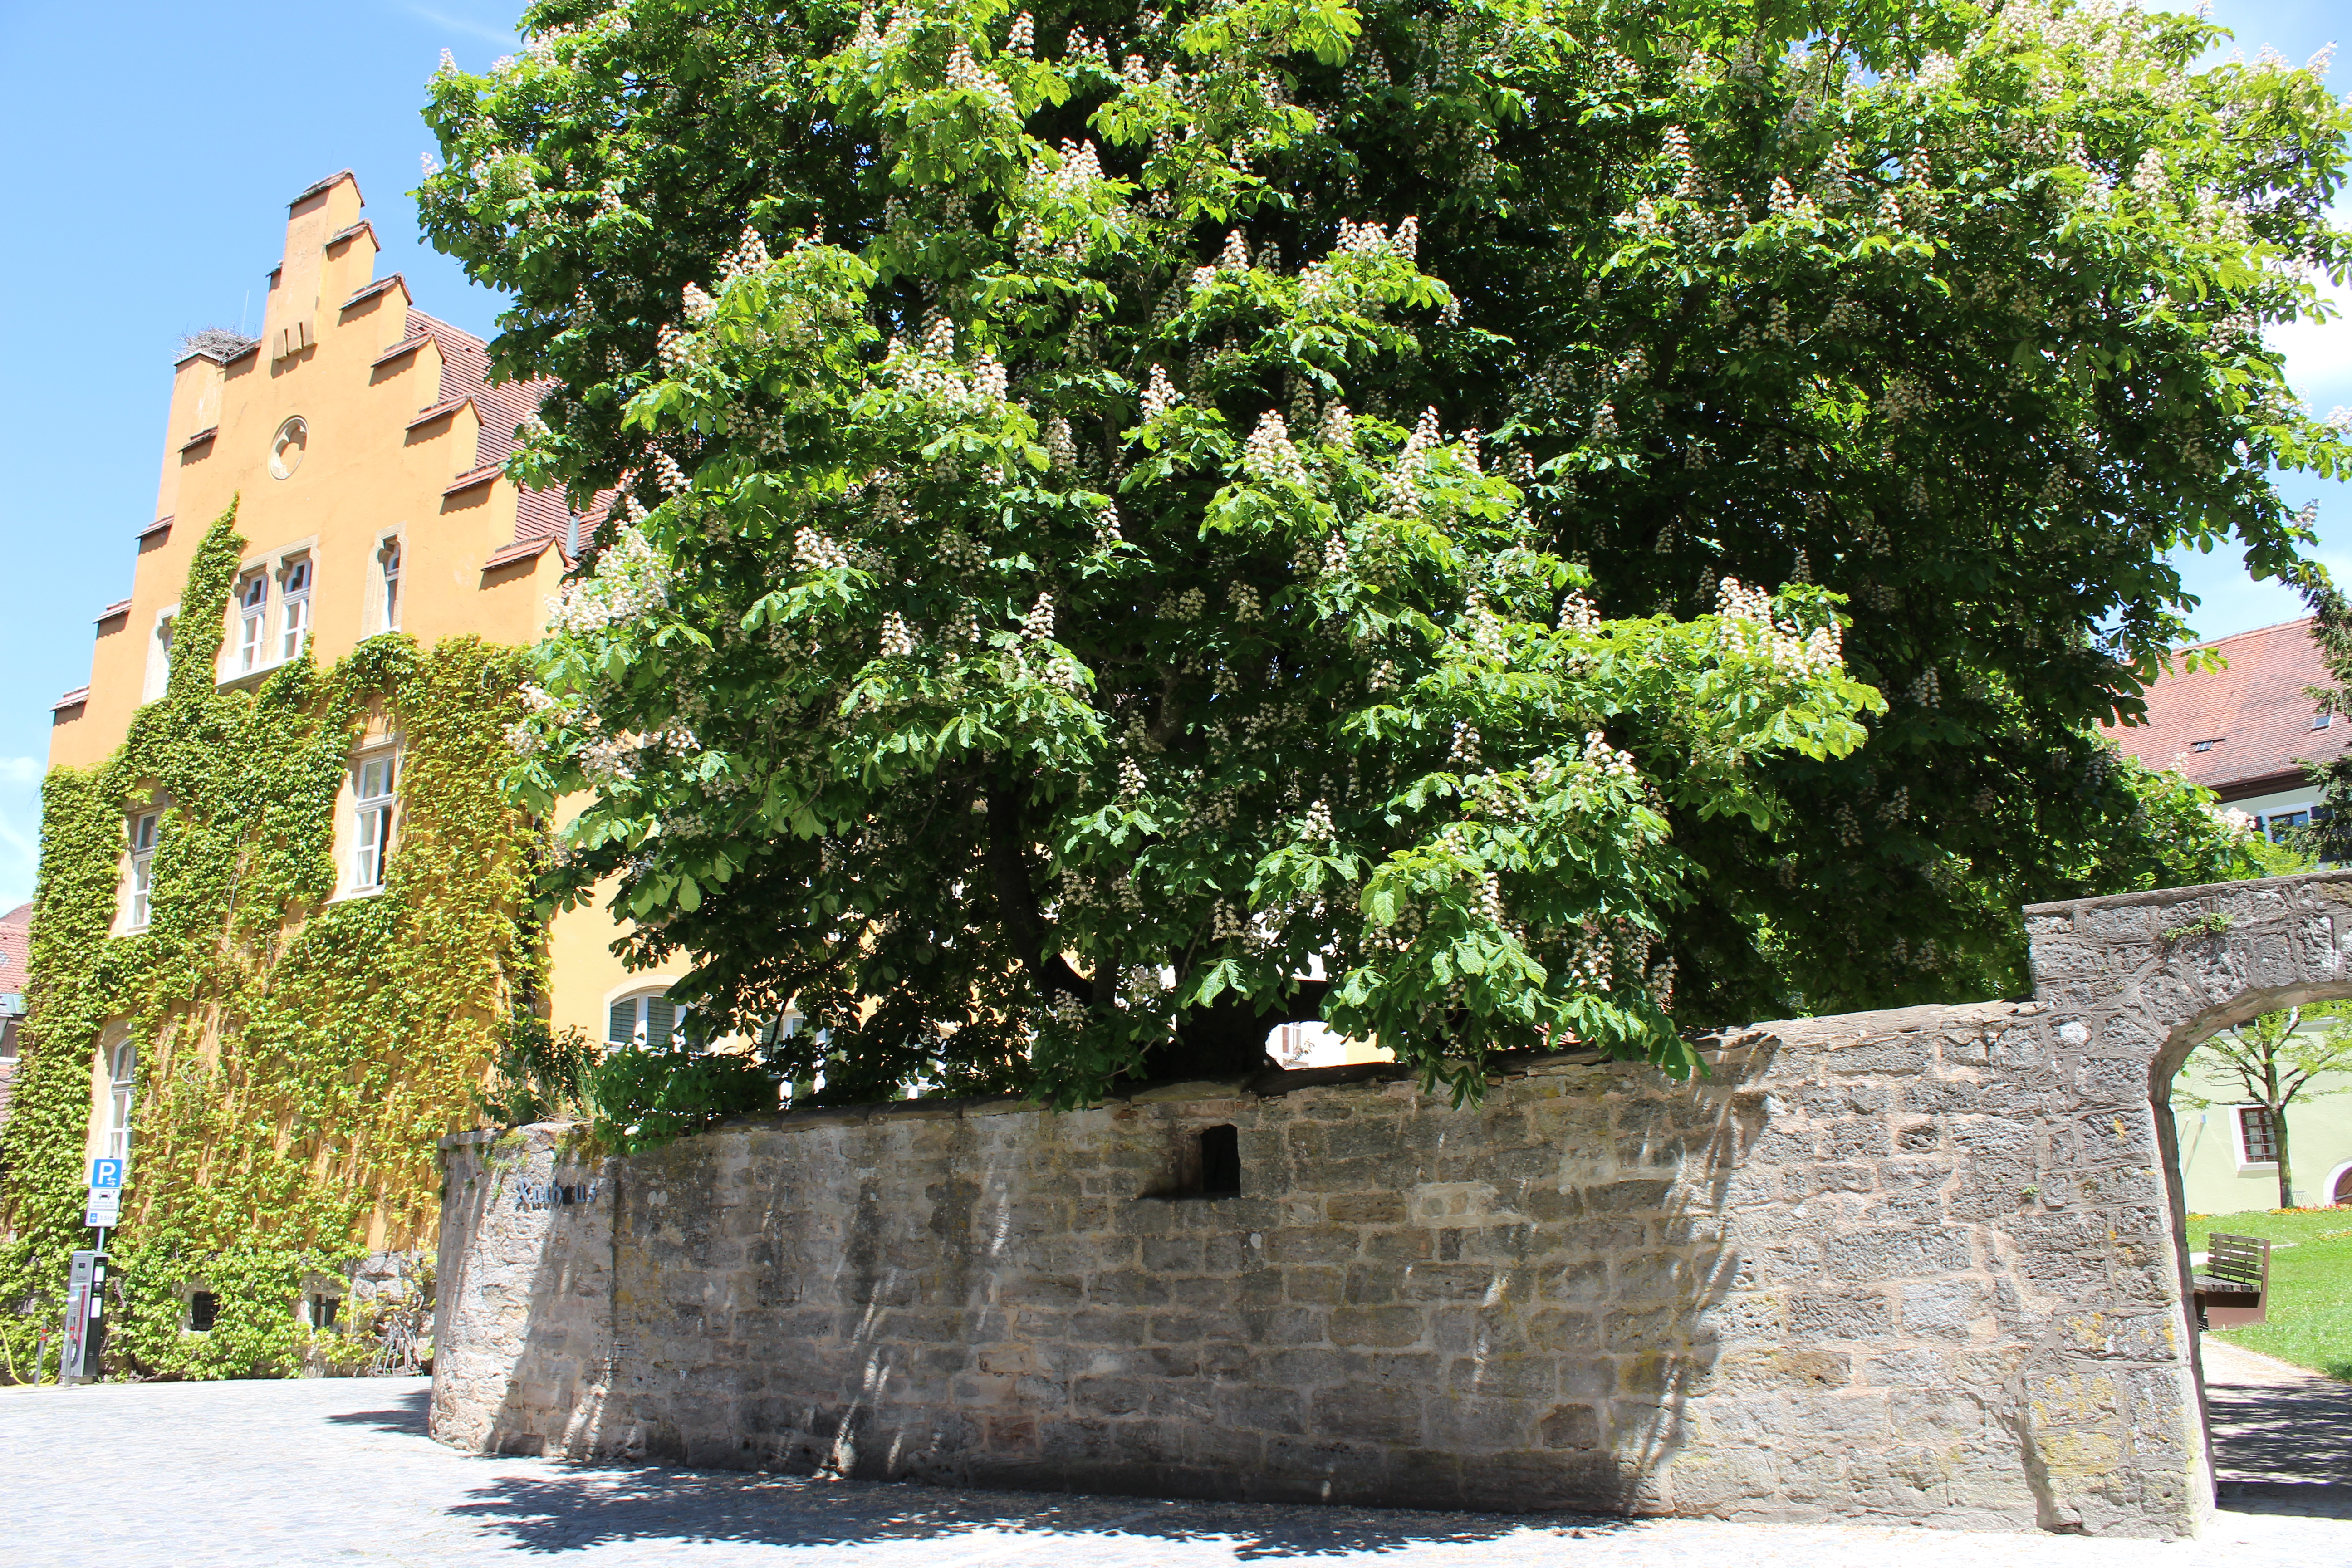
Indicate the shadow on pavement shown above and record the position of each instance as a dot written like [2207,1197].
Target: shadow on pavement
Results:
[2299,1499]
[2282,1444]
[408,1421]
[595,1507]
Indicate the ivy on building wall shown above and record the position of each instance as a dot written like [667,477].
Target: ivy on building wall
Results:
[298,1054]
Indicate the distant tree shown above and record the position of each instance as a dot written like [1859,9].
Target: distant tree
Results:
[2275,1059]
[1039,574]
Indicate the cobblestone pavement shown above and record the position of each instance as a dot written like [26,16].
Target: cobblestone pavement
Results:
[335,1471]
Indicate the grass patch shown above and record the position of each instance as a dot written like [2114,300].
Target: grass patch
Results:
[2311,1284]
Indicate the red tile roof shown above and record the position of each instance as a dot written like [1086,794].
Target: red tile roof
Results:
[502,409]
[158,526]
[520,550]
[433,410]
[200,437]
[472,479]
[404,346]
[120,607]
[370,290]
[327,184]
[74,699]
[2255,712]
[16,946]
[361,227]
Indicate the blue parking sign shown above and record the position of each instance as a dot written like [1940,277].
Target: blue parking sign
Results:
[105,1174]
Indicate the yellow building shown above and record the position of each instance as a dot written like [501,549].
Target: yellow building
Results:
[362,443]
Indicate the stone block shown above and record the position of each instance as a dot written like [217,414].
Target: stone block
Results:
[1570,1427]
[1504,1377]
[1866,1256]
[1258,1408]
[1377,1325]
[1366,1414]
[1859,1314]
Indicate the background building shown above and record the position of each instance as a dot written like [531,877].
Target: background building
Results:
[15,967]
[2243,732]
[297,901]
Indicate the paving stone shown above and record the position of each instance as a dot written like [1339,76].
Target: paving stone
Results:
[210,1475]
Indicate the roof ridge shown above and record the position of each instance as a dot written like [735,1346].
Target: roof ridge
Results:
[2249,632]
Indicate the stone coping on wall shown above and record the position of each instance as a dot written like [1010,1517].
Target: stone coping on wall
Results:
[1714,1048]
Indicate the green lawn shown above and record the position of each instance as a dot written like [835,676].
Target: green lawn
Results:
[2311,1284]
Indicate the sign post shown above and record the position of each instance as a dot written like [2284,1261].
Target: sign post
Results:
[105,1207]
[85,1305]
[85,1282]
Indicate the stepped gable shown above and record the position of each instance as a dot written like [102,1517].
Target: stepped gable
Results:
[540,516]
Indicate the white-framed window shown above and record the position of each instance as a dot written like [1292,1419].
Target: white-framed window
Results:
[159,655]
[387,567]
[144,829]
[2278,826]
[2257,1134]
[122,1087]
[293,608]
[372,784]
[647,1018]
[252,622]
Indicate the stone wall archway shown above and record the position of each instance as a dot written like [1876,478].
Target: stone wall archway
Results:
[2136,981]
[2169,968]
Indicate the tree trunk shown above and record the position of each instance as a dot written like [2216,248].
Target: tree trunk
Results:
[2285,1171]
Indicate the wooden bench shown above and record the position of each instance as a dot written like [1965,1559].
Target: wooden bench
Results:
[2234,1289]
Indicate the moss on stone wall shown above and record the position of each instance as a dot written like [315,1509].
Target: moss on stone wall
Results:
[298,1054]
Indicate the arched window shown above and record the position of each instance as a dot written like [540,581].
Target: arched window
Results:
[252,618]
[387,565]
[647,1018]
[145,829]
[122,1074]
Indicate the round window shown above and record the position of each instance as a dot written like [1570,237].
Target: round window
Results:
[286,451]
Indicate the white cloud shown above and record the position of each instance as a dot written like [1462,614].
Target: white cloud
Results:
[19,850]
[485,31]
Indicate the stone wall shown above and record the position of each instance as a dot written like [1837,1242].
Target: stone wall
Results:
[1912,1266]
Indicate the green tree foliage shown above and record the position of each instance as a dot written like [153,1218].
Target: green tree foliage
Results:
[1269,495]
[640,1096]
[2329,837]
[2275,1060]
[539,1074]
[298,1055]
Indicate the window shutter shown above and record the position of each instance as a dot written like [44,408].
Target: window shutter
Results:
[622,1023]
[660,1015]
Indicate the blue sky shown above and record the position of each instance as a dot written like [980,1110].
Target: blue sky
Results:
[146,198]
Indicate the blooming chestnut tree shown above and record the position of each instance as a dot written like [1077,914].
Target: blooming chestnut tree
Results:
[1138,525]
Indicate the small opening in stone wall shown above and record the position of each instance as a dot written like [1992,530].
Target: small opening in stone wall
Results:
[1204,1162]
[1220,1161]
[204,1311]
